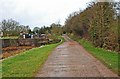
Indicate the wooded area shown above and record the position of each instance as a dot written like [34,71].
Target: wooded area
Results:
[11,27]
[55,29]
[98,23]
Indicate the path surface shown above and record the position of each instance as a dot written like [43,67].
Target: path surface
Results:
[71,60]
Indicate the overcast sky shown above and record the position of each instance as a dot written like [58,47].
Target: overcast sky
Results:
[39,12]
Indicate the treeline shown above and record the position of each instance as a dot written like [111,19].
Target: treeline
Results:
[54,29]
[98,23]
[11,27]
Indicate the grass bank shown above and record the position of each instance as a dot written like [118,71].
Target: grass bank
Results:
[11,37]
[27,63]
[109,58]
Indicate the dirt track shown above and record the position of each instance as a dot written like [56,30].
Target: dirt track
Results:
[71,60]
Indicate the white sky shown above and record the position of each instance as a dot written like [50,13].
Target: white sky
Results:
[39,12]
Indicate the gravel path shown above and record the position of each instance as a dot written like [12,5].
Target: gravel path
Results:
[71,60]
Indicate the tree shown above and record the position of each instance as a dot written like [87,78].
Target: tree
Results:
[36,29]
[97,23]
[56,29]
[11,27]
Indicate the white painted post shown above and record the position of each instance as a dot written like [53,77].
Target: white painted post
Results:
[24,36]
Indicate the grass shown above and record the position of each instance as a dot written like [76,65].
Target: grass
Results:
[109,58]
[27,63]
[11,37]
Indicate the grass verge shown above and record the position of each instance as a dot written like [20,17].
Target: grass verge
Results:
[11,37]
[27,63]
[109,58]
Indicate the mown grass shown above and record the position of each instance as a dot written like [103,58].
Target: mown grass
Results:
[109,58]
[27,63]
